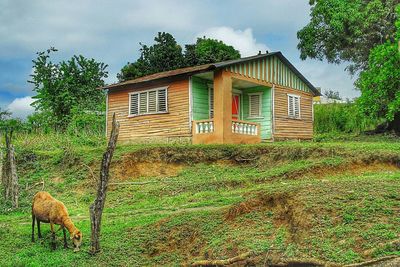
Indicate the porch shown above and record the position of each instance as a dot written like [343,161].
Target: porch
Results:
[229,110]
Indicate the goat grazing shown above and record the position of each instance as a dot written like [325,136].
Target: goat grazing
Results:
[47,209]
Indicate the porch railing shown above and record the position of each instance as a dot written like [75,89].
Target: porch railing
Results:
[204,126]
[245,127]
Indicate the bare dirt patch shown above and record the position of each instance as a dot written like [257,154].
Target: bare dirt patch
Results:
[186,239]
[287,210]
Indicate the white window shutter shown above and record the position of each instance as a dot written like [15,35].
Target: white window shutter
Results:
[134,105]
[152,101]
[255,105]
[297,107]
[143,103]
[162,100]
[294,106]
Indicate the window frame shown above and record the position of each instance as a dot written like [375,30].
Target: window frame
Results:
[259,116]
[157,89]
[294,108]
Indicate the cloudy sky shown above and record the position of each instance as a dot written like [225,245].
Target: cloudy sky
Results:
[110,31]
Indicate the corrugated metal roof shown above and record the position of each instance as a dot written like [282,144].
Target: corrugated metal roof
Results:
[209,67]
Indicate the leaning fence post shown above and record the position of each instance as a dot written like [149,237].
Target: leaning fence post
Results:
[14,188]
[96,209]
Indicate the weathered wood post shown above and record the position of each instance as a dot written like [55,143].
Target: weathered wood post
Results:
[9,175]
[13,177]
[5,172]
[96,209]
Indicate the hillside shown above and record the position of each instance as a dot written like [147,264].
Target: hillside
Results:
[171,205]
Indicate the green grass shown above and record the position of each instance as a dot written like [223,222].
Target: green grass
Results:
[293,199]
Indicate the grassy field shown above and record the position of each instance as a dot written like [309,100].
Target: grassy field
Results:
[336,201]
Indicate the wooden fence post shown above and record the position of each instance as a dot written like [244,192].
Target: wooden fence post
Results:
[13,177]
[9,177]
[96,209]
[5,175]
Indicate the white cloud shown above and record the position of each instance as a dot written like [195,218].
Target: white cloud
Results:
[110,31]
[21,107]
[243,41]
[329,77]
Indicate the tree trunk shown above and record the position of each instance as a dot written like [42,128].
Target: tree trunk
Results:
[96,209]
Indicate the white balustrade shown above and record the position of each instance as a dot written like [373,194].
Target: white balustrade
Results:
[204,127]
[241,127]
[238,127]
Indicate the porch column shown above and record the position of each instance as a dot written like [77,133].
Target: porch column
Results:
[222,105]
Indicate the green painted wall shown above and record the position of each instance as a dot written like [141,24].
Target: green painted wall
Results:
[200,99]
[266,109]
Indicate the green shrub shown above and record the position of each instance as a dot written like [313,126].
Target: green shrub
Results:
[87,122]
[341,118]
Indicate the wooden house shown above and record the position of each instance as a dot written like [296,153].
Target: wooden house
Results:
[247,100]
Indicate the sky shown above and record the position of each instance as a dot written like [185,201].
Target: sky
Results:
[110,32]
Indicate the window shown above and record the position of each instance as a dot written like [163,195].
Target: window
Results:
[294,106]
[211,101]
[255,105]
[148,102]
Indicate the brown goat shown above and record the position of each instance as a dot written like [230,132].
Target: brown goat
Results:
[47,209]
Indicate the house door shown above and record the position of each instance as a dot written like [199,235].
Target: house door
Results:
[235,107]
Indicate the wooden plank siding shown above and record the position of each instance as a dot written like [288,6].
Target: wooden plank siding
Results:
[175,123]
[289,128]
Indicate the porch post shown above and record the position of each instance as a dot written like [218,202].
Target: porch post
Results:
[222,106]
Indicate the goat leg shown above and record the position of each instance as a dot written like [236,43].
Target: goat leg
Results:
[53,243]
[33,228]
[38,228]
[65,238]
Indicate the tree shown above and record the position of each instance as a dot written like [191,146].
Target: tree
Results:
[346,30]
[332,95]
[62,86]
[380,83]
[132,71]
[4,114]
[208,50]
[165,54]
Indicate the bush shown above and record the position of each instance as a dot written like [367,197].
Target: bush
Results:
[341,118]
[87,122]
